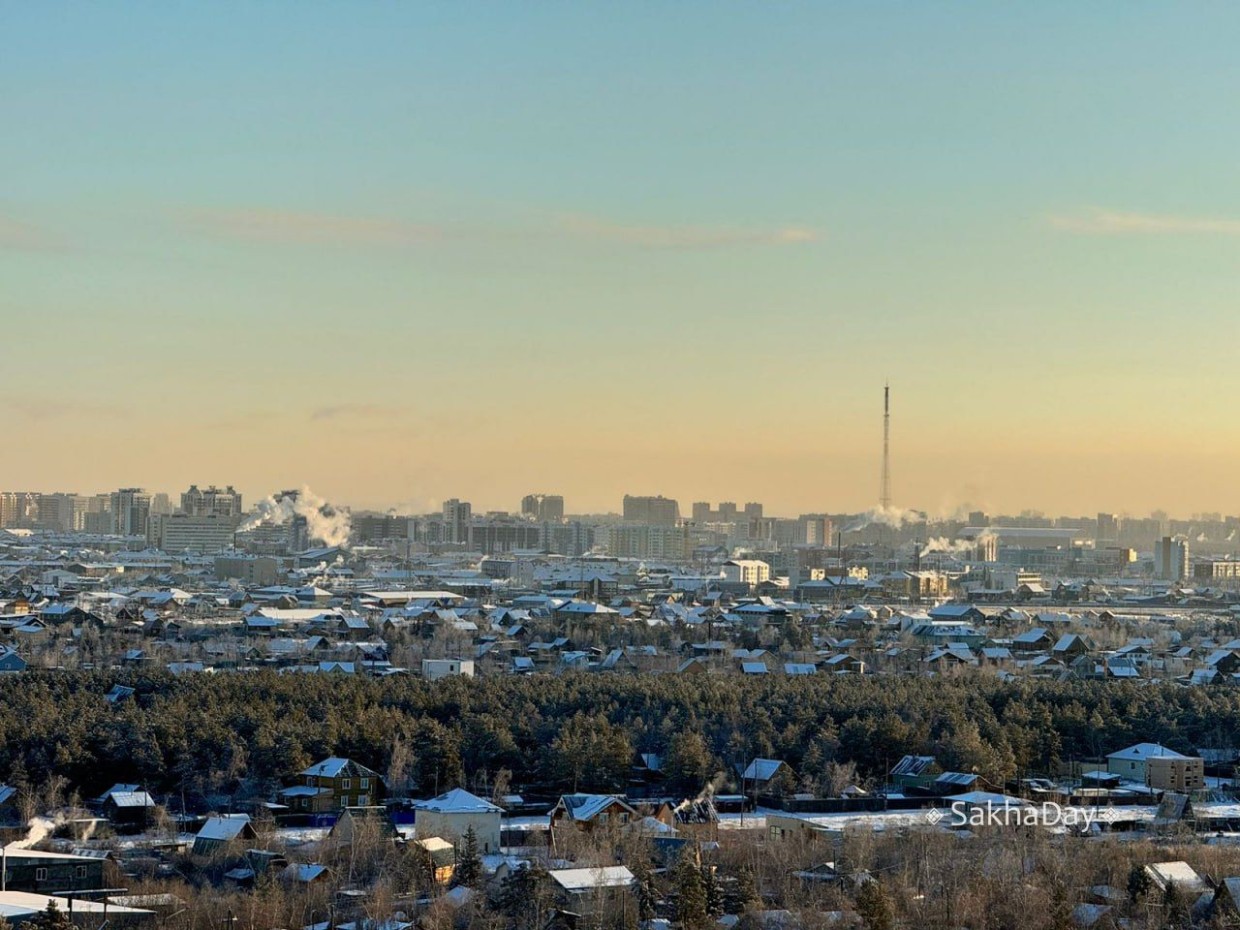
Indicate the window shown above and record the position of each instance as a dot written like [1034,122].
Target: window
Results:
[81,871]
[40,875]
[344,802]
[346,783]
[363,800]
[365,783]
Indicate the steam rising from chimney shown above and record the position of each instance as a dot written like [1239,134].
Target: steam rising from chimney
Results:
[894,517]
[955,547]
[324,522]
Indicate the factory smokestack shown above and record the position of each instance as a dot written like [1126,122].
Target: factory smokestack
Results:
[884,497]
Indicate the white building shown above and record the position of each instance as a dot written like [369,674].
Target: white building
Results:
[179,532]
[1131,762]
[434,669]
[450,816]
[746,571]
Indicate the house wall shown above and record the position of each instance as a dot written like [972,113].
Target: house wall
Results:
[782,828]
[453,826]
[49,875]
[347,791]
[434,669]
[1128,768]
[1181,775]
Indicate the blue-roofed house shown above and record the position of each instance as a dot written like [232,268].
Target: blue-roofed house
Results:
[588,811]
[764,774]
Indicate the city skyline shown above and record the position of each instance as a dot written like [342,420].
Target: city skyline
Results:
[400,253]
[210,498]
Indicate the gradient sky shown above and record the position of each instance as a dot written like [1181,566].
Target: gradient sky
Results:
[408,251]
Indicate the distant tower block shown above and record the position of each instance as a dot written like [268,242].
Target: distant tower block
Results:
[884,497]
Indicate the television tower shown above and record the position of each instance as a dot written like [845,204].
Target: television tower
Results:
[884,498]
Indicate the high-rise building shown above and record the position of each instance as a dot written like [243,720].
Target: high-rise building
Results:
[727,511]
[653,510]
[753,511]
[57,512]
[19,509]
[161,504]
[1108,528]
[647,541]
[92,513]
[456,518]
[211,500]
[373,527]
[181,532]
[130,509]
[494,535]
[573,538]
[1171,558]
[545,508]
[815,529]
[701,512]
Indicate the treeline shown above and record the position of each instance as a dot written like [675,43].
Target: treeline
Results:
[206,734]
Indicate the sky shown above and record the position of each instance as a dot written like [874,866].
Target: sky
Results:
[408,251]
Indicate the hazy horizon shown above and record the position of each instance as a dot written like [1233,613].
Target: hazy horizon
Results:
[407,252]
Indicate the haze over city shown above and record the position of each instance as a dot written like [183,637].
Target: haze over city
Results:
[408,252]
[619,466]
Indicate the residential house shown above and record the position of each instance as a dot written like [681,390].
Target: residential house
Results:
[1133,763]
[764,775]
[1038,639]
[368,821]
[584,891]
[453,813]
[434,669]
[10,661]
[220,830]
[332,785]
[127,805]
[40,872]
[589,811]
[915,772]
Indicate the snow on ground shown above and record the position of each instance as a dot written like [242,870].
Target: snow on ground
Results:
[885,820]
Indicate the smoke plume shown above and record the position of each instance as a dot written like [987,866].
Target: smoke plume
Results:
[41,827]
[894,517]
[954,547]
[325,523]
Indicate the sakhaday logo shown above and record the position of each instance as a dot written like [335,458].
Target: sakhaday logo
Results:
[1047,814]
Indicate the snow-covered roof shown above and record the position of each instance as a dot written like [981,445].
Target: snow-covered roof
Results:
[578,881]
[1141,751]
[761,769]
[458,801]
[587,806]
[223,827]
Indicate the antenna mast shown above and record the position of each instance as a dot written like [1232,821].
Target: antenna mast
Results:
[884,499]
